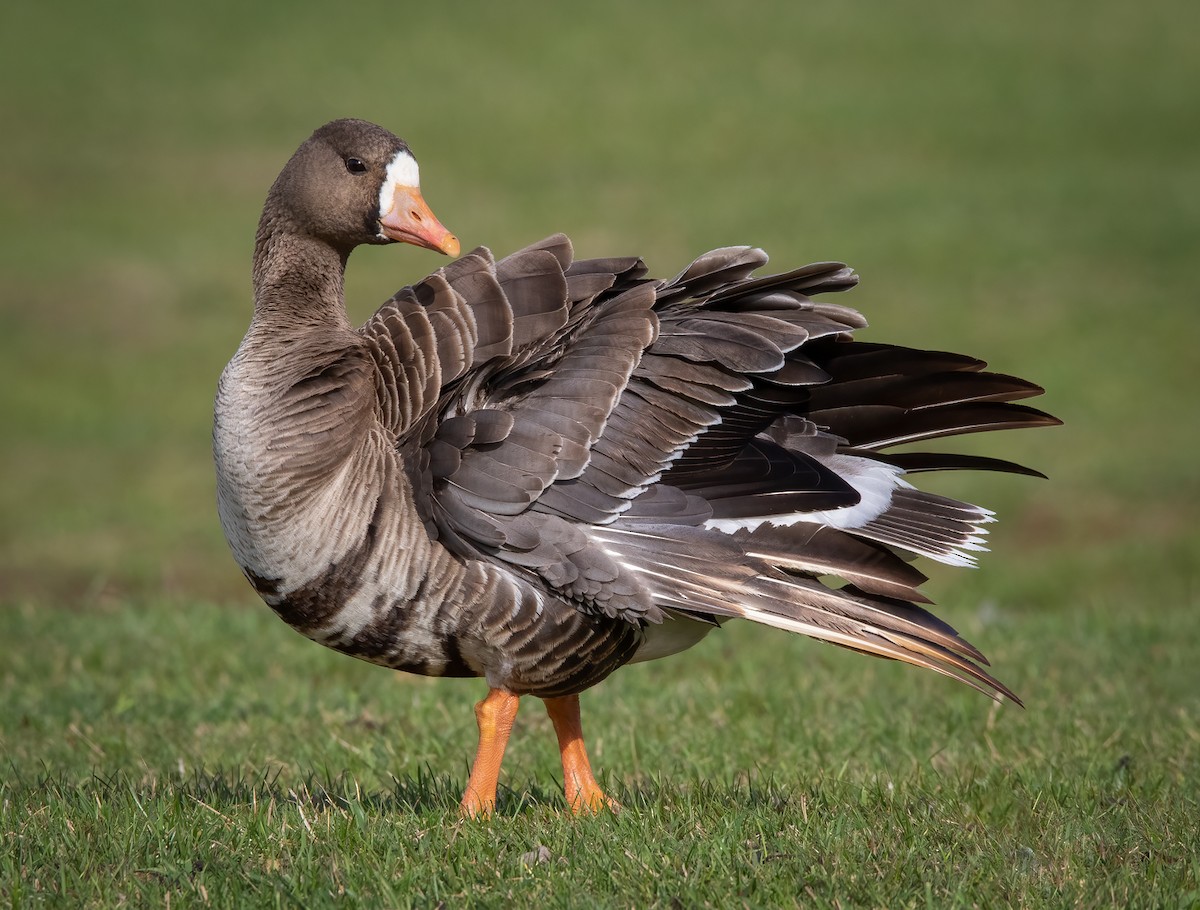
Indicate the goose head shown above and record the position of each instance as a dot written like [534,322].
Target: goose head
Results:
[354,183]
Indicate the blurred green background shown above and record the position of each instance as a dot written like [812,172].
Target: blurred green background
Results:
[1017,181]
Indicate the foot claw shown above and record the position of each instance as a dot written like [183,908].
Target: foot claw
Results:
[473,807]
[594,803]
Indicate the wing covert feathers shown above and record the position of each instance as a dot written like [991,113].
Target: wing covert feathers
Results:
[703,448]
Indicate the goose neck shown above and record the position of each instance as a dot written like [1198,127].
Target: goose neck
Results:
[298,280]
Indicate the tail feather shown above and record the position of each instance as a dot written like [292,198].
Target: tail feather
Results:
[815,551]
[917,650]
[696,574]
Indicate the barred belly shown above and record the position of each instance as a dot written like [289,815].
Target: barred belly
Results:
[458,620]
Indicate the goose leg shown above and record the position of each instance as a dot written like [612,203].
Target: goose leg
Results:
[495,715]
[582,792]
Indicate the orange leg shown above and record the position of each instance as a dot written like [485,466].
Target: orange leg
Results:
[582,792]
[495,715]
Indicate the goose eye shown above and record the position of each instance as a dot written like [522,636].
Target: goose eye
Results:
[355,166]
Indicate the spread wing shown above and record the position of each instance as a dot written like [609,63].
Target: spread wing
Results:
[691,449]
[504,377]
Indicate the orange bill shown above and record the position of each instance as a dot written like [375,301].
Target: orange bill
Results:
[410,220]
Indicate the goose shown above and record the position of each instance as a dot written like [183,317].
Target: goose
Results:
[538,469]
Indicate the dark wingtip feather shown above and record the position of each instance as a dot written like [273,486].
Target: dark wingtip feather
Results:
[881,426]
[922,462]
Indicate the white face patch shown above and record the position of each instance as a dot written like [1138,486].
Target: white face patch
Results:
[403,171]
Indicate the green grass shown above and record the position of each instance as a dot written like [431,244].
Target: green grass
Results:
[1019,182]
[214,770]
